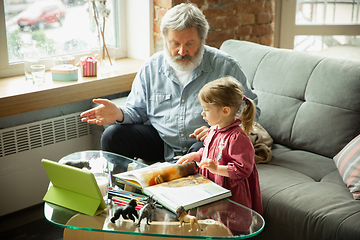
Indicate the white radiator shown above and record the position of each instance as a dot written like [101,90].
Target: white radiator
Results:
[23,180]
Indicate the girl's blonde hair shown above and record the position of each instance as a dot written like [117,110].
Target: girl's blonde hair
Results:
[228,92]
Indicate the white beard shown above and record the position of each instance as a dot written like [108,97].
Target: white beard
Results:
[191,65]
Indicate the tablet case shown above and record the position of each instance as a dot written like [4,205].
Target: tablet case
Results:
[73,188]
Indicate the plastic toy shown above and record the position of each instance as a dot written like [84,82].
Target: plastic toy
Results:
[127,212]
[147,211]
[78,163]
[186,218]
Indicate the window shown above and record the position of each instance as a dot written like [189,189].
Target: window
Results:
[315,25]
[327,12]
[60,28]
[313,43]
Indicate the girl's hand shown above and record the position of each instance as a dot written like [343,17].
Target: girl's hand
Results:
[189,157]
[209,164]
[200,133]
[213,167]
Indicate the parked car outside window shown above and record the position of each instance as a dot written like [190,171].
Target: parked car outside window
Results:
[42,13]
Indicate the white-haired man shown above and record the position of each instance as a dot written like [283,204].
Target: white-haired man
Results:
[162,116]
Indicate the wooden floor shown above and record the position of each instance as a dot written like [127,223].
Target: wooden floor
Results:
[29,224]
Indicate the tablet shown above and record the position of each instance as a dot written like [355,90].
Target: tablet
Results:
[73,188]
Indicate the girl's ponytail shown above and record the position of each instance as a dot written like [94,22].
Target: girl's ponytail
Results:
[247,115]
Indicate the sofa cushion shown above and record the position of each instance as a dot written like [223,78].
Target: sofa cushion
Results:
[241,55]
[293,168]
[348,163]
[307,101]
[308,87]
[307,188]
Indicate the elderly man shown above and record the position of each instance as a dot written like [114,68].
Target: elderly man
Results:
[162,116]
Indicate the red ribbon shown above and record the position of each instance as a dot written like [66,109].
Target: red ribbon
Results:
[91,58]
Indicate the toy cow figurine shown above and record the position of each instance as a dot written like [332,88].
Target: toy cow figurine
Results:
[147,211]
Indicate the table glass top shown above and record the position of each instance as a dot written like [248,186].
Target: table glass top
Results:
[223,219]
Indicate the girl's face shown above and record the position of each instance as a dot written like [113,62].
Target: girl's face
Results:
[212,114]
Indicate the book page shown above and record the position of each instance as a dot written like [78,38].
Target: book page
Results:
[135,175]
[189,192]
[159,173]
[183,195]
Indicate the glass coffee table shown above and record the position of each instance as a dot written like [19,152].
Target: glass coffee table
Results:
[223,219]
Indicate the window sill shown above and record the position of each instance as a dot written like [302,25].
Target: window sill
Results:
[19,96]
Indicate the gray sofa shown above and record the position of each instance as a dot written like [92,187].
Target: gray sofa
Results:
[310,105]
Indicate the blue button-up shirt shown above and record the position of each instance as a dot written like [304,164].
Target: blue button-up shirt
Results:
[157,97]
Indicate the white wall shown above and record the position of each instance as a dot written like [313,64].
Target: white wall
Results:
[139,24]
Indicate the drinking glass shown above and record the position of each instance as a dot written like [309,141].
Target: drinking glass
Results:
[38,74]
[102,180]
[31,57]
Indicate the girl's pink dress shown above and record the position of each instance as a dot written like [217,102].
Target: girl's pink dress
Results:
[231,147]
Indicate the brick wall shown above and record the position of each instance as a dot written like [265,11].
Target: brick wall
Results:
[249,20]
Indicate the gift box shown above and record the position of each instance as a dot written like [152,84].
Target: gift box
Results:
[88,67]
[65,72]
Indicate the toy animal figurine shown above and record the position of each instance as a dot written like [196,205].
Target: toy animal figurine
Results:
[77,163]
[186,218]
[147,211]
[127,212]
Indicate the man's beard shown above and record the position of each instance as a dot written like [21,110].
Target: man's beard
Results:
[189,65]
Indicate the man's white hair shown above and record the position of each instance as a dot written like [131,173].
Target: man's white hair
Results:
[184,16]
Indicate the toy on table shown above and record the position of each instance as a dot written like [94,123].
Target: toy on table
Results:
[186,218]
[127,212]
[147,211]
[77,163]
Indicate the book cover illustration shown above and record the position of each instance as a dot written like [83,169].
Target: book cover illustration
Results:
[156,174]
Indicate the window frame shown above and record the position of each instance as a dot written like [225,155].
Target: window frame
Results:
[287,29]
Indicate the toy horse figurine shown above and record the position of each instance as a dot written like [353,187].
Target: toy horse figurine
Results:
[147,211]
[127,212]
[185,218]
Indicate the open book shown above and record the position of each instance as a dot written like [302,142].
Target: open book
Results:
[174,185]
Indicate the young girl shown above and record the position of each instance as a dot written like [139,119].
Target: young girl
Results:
[227,157]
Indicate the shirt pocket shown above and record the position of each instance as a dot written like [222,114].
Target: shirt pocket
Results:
[160,105]
[196,108]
